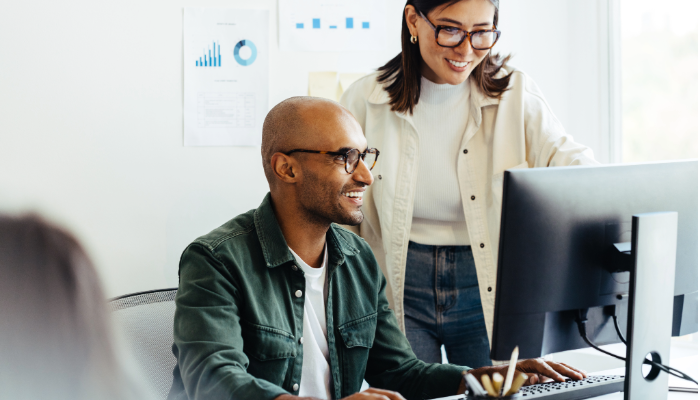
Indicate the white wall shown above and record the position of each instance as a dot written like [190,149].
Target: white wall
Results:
[564,46]
[91,118]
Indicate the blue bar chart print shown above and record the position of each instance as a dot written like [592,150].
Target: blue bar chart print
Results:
[332,25]
[349,24]
[211,57]
[226,75]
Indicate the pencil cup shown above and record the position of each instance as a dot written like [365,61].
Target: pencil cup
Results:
[516,396]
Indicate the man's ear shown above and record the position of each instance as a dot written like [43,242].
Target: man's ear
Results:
[284,167]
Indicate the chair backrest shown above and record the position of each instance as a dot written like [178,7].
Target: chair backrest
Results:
[146,323]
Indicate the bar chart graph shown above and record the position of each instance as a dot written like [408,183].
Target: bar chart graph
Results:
[332,25]
[211,57]
[349,24]
[226,75]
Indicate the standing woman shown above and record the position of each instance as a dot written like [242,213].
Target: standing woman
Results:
[450,118]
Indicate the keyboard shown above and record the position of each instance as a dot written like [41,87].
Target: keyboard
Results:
[570,390]
[575,390]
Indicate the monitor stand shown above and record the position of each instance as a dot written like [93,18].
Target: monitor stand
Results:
[650,310]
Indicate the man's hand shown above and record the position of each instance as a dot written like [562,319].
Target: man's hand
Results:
[292,397]
[536,369]
[539,371]
[375,394]
[369,394]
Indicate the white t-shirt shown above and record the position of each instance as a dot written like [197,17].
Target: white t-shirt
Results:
[440,118]
[315,370]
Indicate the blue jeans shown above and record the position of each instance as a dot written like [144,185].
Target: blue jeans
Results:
[443,305]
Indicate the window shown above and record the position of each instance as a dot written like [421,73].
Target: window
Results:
[659,79]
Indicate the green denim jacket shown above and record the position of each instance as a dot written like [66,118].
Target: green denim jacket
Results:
[238,321]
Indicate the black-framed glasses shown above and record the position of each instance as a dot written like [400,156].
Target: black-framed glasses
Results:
[450,36]
[351,158]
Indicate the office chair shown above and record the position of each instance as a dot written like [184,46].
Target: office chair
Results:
[145,321]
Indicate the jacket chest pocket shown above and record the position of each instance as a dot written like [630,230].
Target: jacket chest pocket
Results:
[270,352]
[358,338]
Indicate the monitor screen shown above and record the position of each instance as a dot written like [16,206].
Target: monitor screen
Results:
[557,254]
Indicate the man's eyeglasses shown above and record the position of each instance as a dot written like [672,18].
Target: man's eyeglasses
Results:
[351,158]
[450,36]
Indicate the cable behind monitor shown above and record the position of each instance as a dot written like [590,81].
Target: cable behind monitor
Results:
[581,322]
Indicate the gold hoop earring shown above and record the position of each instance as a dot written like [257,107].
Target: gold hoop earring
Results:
[414,39]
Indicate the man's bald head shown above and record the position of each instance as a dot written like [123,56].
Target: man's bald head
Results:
[299,122]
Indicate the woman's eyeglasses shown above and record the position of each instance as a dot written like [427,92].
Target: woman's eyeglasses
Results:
[450,36]
[351,157]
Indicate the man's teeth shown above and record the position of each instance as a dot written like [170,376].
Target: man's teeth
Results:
[354,194]
[459,64]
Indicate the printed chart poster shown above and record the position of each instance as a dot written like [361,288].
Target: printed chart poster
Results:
[332,25]
[226,61]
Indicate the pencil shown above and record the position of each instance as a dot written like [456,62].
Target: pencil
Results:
[486,382]
[511,370]
[518,381]
[497,380]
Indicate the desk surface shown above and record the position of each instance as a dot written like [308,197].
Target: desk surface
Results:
[689,365]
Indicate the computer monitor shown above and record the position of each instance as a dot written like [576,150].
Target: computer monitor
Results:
[556,253]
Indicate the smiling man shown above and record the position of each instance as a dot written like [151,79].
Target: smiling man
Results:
[282,303]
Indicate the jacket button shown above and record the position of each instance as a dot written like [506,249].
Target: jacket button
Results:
[295,387]
[473,197]
[481,245]
[379,177]
[295,268]
[465,151]
[301,339]
[298,293]
[489,289]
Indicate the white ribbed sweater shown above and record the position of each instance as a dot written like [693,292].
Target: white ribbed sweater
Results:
[440,117]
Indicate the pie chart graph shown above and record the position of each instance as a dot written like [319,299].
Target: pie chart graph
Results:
[237,52]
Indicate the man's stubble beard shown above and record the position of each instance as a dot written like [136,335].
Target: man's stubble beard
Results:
[321,203]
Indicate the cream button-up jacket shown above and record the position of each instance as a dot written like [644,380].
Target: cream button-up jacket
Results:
[518,130]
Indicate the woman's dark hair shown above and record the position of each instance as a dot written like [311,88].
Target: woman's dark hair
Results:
[55,333]
[403,76]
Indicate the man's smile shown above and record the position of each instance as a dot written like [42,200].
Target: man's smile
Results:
[355,196]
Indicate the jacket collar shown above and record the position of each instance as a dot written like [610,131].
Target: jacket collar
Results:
[378,95]
[274,246]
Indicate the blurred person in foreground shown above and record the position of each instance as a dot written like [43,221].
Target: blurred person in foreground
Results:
[281,303]
[55,334]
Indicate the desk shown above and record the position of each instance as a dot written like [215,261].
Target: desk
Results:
[689,365]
